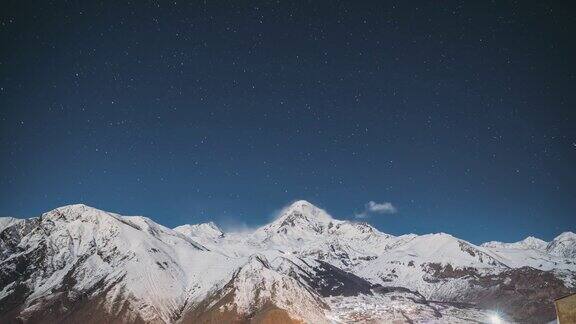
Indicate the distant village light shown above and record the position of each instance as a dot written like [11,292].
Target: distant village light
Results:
[495,319]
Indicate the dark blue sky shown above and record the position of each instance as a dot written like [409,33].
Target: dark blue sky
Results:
[461,115]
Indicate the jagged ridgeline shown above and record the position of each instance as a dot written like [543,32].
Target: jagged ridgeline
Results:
[80,264]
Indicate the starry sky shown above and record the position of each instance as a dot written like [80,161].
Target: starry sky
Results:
[415,117]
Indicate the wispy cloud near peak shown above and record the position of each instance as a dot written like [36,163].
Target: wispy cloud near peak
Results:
[373,207]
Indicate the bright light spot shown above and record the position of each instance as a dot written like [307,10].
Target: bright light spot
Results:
[495,319]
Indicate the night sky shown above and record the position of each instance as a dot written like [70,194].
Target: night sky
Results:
[460,116]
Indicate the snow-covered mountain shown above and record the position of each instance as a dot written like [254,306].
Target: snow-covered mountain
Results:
[564,245]
[307,230]
[76,256]
[77,263]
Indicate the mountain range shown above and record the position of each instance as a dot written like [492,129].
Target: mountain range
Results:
[80,264]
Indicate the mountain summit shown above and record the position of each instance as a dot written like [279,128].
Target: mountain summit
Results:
[301,216]
[205,231]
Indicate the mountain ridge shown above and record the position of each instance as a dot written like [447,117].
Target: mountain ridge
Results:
[5,220]
[169,275]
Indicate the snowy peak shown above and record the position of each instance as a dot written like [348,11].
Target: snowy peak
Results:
[302,209]
[108,257]
[79,212]
[444,248]
[564,245]
[297,223]
[530,242]
[301,214]
[308,230]
[566,236]
[204,230]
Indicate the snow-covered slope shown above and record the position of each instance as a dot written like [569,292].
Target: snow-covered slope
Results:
[419,263]
[257,287]
[77,261]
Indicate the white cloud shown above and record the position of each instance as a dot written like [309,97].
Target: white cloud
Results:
[381,208]
[373,207]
